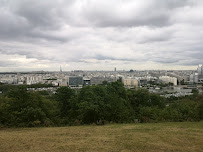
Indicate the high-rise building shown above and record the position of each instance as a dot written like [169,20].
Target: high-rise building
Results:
[75,81]
[197,77]
[200,71]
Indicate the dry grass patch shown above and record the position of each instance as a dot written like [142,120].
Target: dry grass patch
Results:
[157,137]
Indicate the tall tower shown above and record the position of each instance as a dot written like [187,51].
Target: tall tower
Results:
[115,69]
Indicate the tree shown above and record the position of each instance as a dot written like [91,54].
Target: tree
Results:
[117,88]
[104,103]
[199,100]
[91,103]
[22,108]
[118,110]
[142,98]
[63,96]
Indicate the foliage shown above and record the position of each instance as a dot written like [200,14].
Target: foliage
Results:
[110,102]
[63,96]
[185,110]
[21,108]
[103,103]
[6,87]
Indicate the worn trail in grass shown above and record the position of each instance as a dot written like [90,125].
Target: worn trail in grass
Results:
[156,137]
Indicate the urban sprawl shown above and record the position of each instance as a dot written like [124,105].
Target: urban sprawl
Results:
[166,83]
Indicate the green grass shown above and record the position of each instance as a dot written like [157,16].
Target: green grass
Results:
[155,137]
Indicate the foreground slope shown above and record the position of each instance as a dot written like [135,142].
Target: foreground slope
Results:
[182,137]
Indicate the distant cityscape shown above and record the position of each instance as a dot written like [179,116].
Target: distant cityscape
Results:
[166,83]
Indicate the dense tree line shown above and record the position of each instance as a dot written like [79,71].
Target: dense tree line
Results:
[107,103]
[5,87]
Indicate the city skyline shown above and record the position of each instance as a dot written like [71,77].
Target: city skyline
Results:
[100,35]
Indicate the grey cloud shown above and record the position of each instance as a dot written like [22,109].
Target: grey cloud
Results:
[7,64]
[41,14]
[22,18]
[190,62]
[131,13]
[47,36]
[101,57]
[61,31]
[27,53]
[166,60]
[115,21]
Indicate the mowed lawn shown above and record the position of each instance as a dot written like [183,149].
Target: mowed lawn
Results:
[156,137]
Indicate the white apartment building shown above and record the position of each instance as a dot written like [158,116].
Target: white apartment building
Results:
[34,80]
[130,82]
[8,80]
[167,79]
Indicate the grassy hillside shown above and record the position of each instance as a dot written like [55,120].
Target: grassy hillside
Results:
[157,137]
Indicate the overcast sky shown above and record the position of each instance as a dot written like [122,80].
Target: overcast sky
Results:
[100,34]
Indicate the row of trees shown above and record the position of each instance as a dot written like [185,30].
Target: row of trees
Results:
[93,104]
[5,88]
